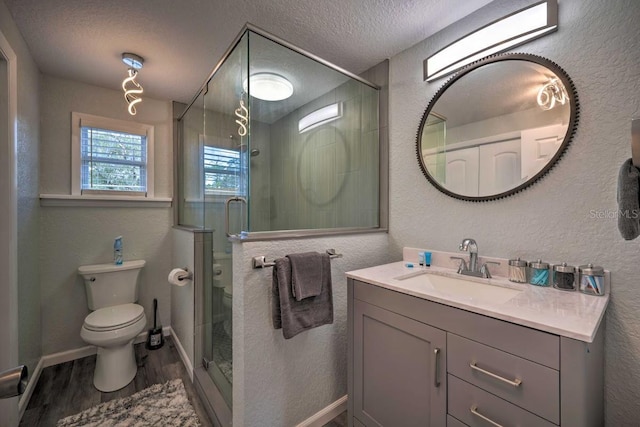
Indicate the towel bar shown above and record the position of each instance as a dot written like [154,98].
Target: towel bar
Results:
[261,261]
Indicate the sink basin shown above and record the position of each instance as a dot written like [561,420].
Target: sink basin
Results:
[460,288]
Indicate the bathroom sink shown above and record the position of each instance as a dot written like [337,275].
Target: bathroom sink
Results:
[460,287]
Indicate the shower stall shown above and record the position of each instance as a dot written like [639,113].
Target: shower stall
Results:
[277,143]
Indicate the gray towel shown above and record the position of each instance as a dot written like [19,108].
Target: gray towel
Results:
[298,316]
[307,270]
[628,201]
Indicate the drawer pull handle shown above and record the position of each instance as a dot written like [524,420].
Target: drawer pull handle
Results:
[474,411]
[436,367]
[515,383]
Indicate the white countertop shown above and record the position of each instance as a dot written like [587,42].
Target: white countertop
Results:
[569,314]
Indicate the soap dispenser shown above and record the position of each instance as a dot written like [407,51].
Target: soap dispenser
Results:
[117,251]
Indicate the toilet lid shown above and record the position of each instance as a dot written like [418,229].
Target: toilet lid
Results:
[115,317]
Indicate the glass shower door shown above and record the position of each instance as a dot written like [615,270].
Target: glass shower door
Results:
[224,153]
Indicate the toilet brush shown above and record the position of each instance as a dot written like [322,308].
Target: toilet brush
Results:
[155,340]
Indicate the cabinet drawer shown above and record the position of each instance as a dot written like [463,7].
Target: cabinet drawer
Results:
[533,387]
[470,404]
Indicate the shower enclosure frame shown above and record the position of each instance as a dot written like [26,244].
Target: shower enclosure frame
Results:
[383,183]
[214,402]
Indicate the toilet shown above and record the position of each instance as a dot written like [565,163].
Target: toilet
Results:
[115,321]
[227,300]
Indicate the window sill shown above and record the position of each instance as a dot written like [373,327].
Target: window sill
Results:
[66,200]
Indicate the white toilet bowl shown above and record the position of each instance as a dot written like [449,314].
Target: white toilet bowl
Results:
[112,330]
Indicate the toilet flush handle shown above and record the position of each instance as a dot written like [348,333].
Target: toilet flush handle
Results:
[92,279]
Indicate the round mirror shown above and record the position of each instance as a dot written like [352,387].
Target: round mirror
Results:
[497,126]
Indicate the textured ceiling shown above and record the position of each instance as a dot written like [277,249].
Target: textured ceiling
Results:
[182,40]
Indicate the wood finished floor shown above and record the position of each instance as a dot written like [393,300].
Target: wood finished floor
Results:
[67,388]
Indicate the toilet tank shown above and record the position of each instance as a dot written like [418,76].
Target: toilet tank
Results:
[110,284]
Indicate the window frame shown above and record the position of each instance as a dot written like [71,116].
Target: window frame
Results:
[88,120]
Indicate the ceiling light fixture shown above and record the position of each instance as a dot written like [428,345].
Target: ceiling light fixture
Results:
[505,33]
[550,93]
[319,117]
[132,92]
[268,87]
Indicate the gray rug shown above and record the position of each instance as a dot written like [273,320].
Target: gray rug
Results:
[159,405]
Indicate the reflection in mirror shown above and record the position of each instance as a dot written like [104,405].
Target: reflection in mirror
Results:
[497,126]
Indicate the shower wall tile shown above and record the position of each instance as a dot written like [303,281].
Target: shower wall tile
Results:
[348,133]
[321,178]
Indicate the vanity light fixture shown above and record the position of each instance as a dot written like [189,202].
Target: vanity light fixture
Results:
[269,87]
[550,93]
[132,89]
[505,33]
[320,116]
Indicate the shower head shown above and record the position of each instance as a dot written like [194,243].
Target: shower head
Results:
[254,152]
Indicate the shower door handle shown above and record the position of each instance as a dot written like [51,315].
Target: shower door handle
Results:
[226,211]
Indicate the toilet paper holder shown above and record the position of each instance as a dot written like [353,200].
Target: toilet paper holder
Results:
[188,276]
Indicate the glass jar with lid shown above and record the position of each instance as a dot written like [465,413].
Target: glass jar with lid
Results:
[539,273]
[591,279]
[564,277]
[518,270]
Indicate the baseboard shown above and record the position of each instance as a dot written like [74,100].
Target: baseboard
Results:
[26,396]
[325,415]
[68,356]
[142,336]
[79,353]
[183,355]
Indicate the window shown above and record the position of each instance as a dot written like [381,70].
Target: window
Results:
[221,171]
[112,157]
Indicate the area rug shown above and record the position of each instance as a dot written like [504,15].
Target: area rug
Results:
[159,405]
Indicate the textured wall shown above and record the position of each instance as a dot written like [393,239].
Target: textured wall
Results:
[597,44]
[278,382]
[27,195]
[73,236]
[28,327]
[182,306]
[29,317]
[60,97]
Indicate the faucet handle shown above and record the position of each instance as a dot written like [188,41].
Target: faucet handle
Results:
[463,263]
[485,269]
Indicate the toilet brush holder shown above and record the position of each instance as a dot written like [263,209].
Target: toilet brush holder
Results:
[155,340]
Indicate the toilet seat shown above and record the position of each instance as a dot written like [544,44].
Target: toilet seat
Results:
[114,317]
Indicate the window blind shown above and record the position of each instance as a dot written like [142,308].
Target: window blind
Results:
[113,160]
[221,170]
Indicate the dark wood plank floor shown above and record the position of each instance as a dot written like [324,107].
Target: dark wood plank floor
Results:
[67,389]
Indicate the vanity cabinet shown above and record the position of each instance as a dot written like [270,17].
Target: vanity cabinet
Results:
[399,376]
[414,362]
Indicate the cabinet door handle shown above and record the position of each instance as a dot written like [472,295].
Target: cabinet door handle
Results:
[474,411]
[436,367]
[516,382]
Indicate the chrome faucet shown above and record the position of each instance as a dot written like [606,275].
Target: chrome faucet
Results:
[471,268]
[470,245]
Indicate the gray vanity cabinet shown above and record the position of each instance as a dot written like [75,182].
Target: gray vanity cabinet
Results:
[414,362]
[399,373]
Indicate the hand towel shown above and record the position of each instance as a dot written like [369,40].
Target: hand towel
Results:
[294,316]
[629,201]
[307,270]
